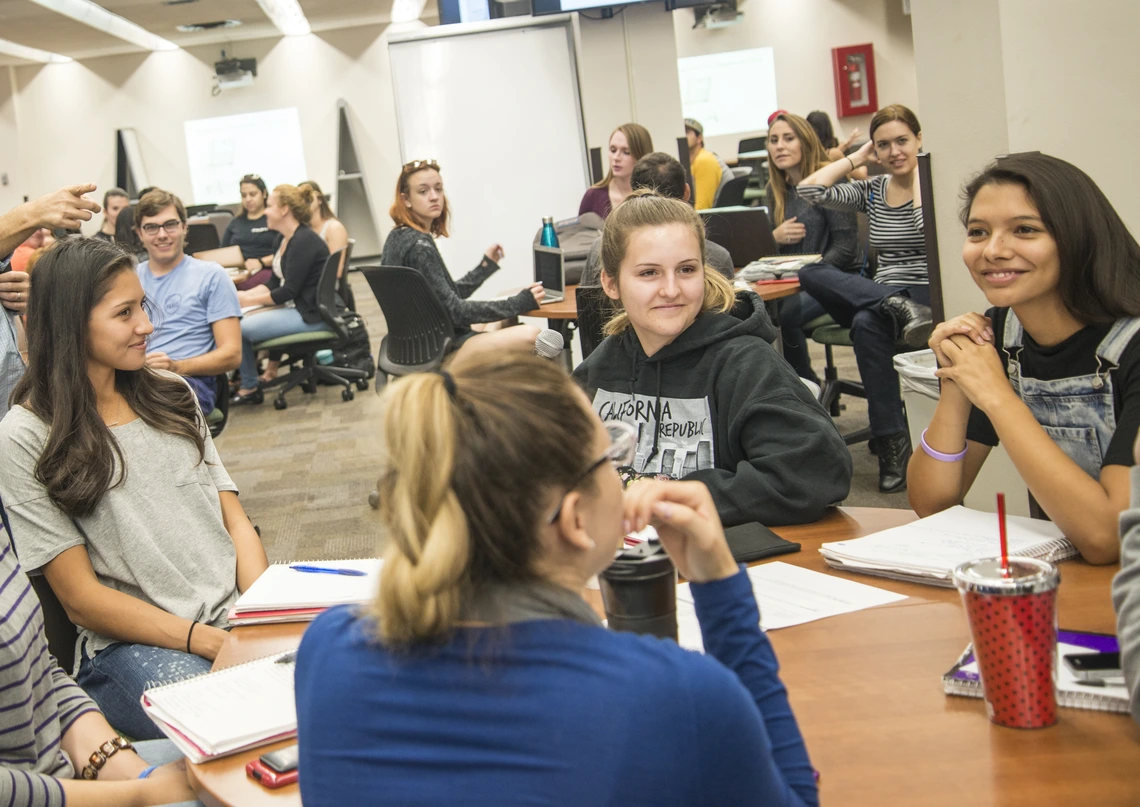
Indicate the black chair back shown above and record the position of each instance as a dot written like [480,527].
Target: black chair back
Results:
[200,236]
[222,404]
[343,287]
[752,144]
[744,231]
[326,296]
[732,193]
[419,327]
[594,311]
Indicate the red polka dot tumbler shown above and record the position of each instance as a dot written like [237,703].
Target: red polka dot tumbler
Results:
[1013,619]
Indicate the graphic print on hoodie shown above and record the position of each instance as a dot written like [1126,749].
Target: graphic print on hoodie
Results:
[684,441]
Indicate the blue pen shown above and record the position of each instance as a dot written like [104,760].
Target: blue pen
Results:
[326,570]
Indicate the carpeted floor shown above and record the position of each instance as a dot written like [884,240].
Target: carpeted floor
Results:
[305,473]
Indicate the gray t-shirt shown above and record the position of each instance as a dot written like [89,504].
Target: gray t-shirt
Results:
[715,255]
[158,536]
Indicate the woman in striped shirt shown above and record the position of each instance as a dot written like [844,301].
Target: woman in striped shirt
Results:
[893,306]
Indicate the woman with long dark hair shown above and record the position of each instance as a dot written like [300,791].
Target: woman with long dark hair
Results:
[1052,370]
[114,490]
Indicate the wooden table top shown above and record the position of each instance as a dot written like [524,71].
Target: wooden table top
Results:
[866,689]
[776,289]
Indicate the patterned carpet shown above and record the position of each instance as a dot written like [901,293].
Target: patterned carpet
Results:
[305,473]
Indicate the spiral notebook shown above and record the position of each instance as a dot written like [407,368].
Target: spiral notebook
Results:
[227,711]
[283,594]
[927,550]
[964,678]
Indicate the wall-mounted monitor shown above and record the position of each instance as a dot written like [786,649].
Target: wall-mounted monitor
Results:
[453,11]
[561,6]
[729,92]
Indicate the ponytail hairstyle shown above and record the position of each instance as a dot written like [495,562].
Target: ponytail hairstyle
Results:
[81,459]
[812,158]
[298,200]
[319,196]
[473,461]
[644,208]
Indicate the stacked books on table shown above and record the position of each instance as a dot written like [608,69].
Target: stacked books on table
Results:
[927,550]
[964,678]
[228,711]
[776,267]
[285,593]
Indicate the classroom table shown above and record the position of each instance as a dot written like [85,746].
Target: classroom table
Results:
[867,693]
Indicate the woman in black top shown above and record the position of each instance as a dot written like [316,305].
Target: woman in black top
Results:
[420,212]
[801,228]
[293,292]
[250,231]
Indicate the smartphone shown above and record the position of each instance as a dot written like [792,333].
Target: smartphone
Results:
[275,769]
[1094,665]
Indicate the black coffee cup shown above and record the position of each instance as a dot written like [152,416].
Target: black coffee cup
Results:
[639,591]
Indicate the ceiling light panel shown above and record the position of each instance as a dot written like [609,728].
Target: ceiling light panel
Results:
[287,16]
[31,54]
[97,17]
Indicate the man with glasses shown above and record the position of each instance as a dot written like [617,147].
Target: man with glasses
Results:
[193,303]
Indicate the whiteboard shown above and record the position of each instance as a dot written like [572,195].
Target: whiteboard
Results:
[223,150]
[497,105]
[729,92]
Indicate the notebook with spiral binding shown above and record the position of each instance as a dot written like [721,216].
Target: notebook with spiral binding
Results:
[227,711]
[927,550]
[283,594]
[964,678]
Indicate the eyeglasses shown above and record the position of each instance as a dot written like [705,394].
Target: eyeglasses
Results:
[621,452]
[416,165]
[171,227]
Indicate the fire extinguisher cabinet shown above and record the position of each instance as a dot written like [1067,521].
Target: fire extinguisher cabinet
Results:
[855,91]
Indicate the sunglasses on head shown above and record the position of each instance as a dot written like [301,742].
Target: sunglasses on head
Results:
[416,165]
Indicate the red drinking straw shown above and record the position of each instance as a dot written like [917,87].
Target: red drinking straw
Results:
[1004,541]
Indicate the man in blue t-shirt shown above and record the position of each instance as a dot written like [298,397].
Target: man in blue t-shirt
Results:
[197,318]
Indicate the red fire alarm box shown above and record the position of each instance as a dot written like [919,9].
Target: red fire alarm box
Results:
[854,68]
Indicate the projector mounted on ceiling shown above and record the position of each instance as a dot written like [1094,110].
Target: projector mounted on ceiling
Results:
[719,15]
[231,74]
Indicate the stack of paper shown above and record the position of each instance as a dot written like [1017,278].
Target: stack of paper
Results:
[927,550]
[777,267]
[224,712]
[283,594]
[787,595]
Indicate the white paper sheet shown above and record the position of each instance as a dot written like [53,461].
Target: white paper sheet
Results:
[787,595]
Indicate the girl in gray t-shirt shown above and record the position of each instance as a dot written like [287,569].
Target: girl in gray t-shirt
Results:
[115,491]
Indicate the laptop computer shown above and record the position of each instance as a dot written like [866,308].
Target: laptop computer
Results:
[550,271]
[744,231]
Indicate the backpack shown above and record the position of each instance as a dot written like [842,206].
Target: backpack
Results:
[357,350]
[575,237]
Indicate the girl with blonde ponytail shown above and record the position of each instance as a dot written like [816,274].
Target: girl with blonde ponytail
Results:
[480,675]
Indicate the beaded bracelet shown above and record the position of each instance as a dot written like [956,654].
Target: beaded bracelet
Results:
[938,455]
[104,752]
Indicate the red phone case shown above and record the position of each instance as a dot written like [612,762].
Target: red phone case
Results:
[267,777]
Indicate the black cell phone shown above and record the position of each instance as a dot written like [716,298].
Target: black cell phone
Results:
[281,761]
[1094,665]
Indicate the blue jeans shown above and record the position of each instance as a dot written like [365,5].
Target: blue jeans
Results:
[794,312]
[162,752]
[853,301]
[259,326]
[116,677]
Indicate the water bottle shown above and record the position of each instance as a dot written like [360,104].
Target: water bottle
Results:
[549,237]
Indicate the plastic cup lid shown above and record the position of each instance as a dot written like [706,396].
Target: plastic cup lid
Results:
[644,560]
[1026,576]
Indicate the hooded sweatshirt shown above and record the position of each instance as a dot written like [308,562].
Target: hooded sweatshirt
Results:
[721,406]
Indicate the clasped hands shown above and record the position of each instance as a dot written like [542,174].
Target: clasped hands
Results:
[964,347]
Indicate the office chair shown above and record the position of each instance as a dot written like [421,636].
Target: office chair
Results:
[594,310]
[752,144]
[201,235]
[343,287]
[732,194]
[217,418]
[419,327]
[741,170]
[304,346]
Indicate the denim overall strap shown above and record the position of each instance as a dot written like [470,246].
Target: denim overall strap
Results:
[1078,413]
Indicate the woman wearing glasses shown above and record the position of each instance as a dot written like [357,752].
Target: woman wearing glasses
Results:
[480,675]
[292,289]
[251,231]
[421,214]
[689,363]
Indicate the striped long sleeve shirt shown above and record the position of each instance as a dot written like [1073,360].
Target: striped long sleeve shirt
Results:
[38,701]
[896,232]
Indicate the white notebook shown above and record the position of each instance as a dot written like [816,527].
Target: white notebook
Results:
[283,594]
[927,550]
[224,712]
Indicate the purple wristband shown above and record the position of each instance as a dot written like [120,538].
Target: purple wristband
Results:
[938,455]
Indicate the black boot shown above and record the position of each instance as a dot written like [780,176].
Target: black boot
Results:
[894,454]
[914,322]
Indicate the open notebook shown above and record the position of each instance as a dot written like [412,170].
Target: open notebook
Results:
[224,712]
[964,679]
[283,594]
[927,550]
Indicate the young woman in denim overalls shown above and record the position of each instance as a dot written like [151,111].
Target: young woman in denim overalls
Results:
[1053,370]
